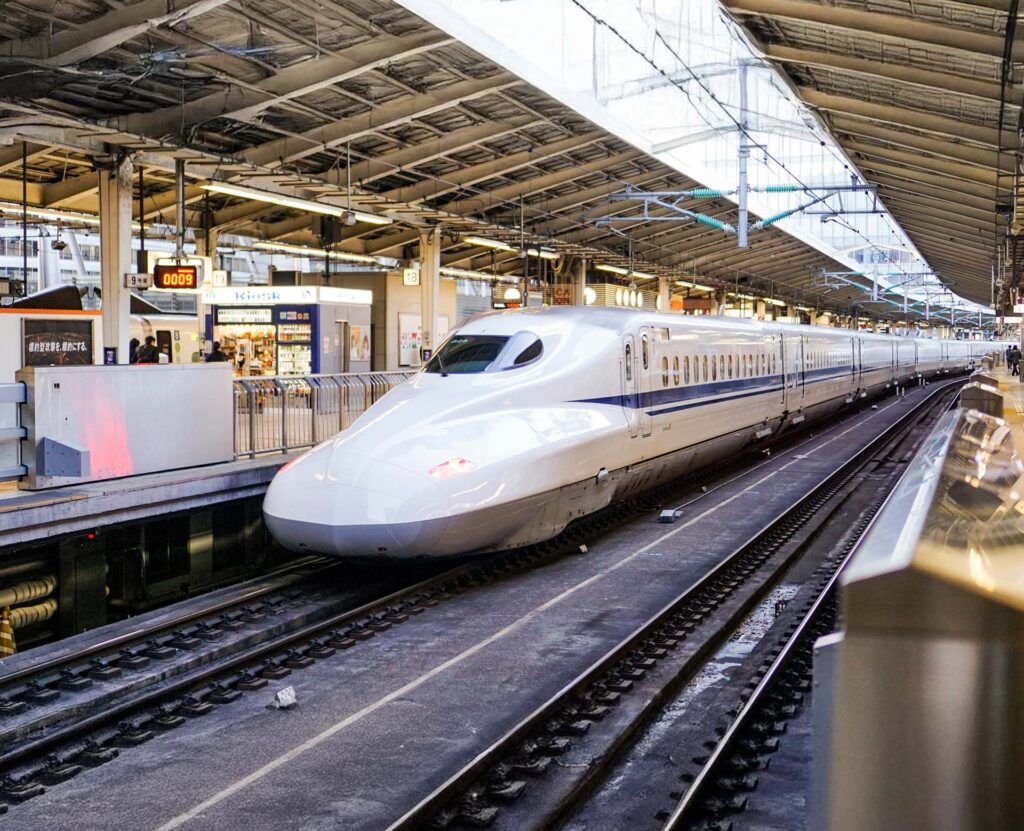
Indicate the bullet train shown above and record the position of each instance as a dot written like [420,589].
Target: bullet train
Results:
[526,420]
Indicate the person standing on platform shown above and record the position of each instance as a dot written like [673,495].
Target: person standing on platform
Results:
[133,351]
[216,356]
[148,353]
[1013,360]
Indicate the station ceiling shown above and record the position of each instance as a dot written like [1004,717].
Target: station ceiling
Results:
[311,97]
[925,96]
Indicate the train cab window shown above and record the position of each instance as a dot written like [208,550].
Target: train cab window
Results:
[675,370]
[529,354]
[462,354]
[645,351]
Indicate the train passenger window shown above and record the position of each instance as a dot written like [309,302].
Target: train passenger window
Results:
[714,368]
[750,364]
[675,370]
[629,362]
[664,371]
[721,365]
[705,368]
[686,369]
[730,366]
[644,353]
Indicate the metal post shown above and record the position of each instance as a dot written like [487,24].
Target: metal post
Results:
[664,295]
[744,154]
[24,216]
[179,198]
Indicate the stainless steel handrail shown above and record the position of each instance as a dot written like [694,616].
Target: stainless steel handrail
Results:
[275,414]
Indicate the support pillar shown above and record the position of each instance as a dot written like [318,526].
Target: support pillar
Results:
[664,295]
[206,246]
[116,253]
[579,287]
[718,303]
[760,312]
[430,286]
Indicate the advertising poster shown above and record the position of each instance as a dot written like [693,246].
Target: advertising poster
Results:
[55,342]
[359,343]
[410,339]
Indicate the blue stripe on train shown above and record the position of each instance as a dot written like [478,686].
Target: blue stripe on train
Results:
[699,394]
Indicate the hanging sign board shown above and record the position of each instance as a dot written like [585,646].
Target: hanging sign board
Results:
[138,281]
[176,277]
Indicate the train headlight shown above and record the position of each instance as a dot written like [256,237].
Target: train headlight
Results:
[453,467]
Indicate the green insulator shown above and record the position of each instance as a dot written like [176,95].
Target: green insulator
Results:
[705,193]
[771,220]
[711,222]
[781,188]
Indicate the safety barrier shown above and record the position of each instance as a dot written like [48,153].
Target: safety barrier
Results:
[280,413]
[11,431]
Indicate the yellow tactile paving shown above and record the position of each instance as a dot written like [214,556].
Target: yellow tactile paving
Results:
[1013,402]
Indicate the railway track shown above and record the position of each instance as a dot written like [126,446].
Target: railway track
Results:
[40,758]
[543,770]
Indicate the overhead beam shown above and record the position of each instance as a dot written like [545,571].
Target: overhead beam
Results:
[12,156]
[70,189]
[386,164]
[302,78]
[938,207]
[469,176]
[402,111]
[123,23]
[951,128]
[857,20]
[954,171]
[947,149]
[936,180]
[899,184]
[902,73]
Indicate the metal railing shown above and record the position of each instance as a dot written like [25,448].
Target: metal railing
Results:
[11,431]
[281,413]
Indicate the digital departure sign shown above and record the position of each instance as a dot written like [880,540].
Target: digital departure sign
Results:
[176,277]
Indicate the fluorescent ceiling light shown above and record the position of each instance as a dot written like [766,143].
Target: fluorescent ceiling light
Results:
[47,213]
[775,302]
[488,243]
[302,251]
[614,269]
[696,286]
[293,202]
[544,255]
[475,275]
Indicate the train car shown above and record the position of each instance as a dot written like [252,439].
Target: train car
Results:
[524,421]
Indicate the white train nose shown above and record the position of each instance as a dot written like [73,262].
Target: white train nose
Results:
[355,507]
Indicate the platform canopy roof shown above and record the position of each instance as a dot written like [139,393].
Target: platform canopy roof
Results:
[363,105]
[926,98]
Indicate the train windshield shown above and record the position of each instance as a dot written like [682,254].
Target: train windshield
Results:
[467,353]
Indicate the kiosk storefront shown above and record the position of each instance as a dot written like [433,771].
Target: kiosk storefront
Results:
[290,330]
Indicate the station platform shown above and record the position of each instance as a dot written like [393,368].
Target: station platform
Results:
[28,516]
[1013,402]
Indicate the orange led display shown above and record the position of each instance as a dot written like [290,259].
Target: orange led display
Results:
[176,277]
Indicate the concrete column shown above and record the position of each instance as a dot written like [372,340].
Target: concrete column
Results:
[717,302]
[665,294]
[580,283]
[760,312]
[430,285]
[116,253]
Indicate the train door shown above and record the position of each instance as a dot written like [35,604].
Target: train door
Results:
[164,344]
[644,381]
[793,367]
[629,396]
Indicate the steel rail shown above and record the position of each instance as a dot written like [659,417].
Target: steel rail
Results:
[449,791]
